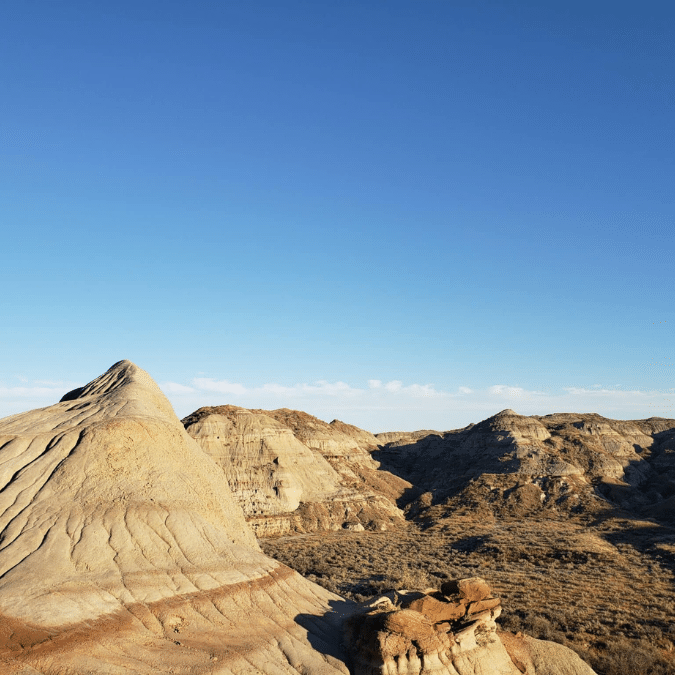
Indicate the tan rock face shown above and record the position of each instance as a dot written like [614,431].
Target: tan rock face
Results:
[419,634]
[122,550]
[364,438]
[437,611]
[292,472]
[268,469]
[332,440]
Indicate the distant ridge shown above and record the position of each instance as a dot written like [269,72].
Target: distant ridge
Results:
[562,463]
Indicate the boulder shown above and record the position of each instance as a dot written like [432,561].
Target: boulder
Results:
[437,611]
[471,590]
[399,634]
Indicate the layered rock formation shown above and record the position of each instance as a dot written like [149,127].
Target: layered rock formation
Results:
[447,632]
[512,464]
[122,550]
[291,472]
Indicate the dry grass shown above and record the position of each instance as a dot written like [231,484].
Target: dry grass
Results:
[606,591]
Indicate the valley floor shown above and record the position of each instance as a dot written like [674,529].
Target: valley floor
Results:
[605,588]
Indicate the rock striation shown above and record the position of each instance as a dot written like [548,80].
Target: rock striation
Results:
[447,632]
[511,464]
[291,472]
[123,551]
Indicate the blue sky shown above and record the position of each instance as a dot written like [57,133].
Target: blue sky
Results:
[286,203]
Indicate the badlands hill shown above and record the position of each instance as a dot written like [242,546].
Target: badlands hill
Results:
[561,465]
[291,472]
[123,551]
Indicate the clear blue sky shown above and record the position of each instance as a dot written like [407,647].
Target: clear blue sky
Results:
[250,198]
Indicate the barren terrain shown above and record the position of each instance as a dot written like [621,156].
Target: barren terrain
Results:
[569,518]
[126,545]
[606,591]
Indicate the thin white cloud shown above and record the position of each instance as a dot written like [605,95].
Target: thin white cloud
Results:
[220,386]
[422,390]
[617,393]
[379,405]
[57,384]
[321,388]
[175,388]
[396,394]
[304,390]
[37,391]
[31,394]
[513,393]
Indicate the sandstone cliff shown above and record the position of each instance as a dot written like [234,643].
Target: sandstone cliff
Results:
[291,472]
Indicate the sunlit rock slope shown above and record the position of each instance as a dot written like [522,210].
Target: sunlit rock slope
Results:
[122,550]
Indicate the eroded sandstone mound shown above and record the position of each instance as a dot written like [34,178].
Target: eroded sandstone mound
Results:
[291,472]
[447,632]
[122,550]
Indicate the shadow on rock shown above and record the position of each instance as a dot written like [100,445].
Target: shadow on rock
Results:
[325,632]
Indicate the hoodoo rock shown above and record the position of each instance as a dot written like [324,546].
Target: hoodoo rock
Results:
[123,551]
[452,632]
[291,472]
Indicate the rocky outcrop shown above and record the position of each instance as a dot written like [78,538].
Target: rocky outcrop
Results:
[522,465]
[447,632]
[291,472]
[122,550]
[364,438]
